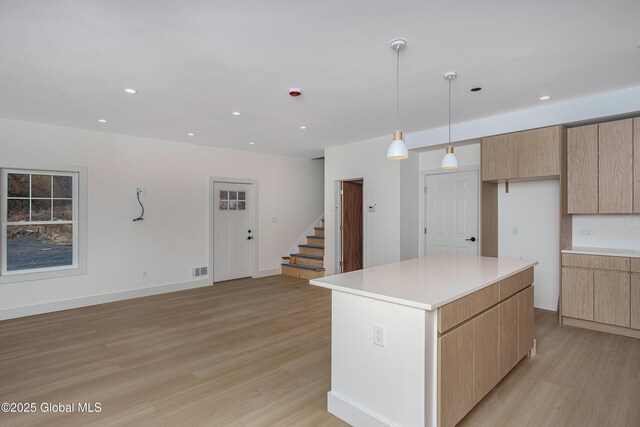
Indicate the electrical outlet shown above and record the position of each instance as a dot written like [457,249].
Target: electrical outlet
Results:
[141,190]
[515,230]
[378,335]
[585,232]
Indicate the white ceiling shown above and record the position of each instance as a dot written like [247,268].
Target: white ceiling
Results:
[194,62]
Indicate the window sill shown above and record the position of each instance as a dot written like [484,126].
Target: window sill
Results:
[44,275]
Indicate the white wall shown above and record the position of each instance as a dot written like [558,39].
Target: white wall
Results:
[607,231]
[533,207]
[174,235]
[382,184]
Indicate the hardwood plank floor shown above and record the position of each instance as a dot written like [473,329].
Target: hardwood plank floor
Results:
[256,352]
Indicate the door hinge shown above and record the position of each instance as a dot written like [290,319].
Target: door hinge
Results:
[341,192]
[340,228]
[340,263]
[425,230]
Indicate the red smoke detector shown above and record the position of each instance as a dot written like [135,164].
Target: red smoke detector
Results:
[295,91]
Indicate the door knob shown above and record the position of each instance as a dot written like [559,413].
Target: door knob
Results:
[250,237]
[472,239]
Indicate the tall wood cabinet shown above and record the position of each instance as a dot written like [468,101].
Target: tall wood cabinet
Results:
[603,169]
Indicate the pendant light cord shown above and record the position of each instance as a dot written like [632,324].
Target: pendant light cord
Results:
[449,111]
[398,87]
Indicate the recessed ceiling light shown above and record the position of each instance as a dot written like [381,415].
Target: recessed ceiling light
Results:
[131,91]
[476,89]
[544,98]
[102,121]
[303,127]
[252,143]
[191,134]
[236,113]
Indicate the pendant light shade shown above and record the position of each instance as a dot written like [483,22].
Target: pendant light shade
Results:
[398,149]
[450,161]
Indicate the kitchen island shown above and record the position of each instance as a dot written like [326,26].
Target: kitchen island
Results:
[420,342]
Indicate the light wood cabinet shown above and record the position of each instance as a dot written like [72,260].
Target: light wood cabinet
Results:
[635,301]
[456,374]
[611,298]
[522,155]
[577,293]
[525,321]
[508,335]
[601,293]
[476,354]
[615,164]
[485,353]
[636,165]
[582,169]
[499,157]
[539,152]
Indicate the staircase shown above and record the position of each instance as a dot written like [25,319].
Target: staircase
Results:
[308,263]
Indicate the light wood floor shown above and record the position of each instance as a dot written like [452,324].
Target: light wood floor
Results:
[257,352]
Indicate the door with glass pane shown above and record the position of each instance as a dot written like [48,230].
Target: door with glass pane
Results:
[233,234]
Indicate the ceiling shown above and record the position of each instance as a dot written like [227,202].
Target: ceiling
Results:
[194,62]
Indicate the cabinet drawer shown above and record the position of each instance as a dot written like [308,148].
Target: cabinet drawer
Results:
[596,261]
[635,265]
[514,284]
[465,308]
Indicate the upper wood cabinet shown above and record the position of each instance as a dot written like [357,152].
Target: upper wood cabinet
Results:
[582,169]
[522,155]
[539,152]
[603,173]
[499,157]
[615,163]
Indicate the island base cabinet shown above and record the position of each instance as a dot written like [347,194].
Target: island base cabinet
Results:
[456,374]
[476,355]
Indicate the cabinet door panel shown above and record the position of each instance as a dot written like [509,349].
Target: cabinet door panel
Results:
[508,335]
[456,374]
[636,165]
[615,162]
[539,152]
[577,293]
[485,353]
[499,157]
[611,300]
[635,301]
[525,321]
[582,169]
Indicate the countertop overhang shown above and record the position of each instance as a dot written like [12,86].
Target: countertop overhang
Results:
[427,282]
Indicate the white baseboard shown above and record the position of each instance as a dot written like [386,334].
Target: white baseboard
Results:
[30,310]
[353,414]
[269,272]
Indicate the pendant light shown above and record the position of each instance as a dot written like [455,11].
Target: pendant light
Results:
[398,149]
[449,161]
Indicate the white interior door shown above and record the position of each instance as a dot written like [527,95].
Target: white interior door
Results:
[452,213]
[233,234]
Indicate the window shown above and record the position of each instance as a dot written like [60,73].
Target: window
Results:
[232,200]
[39,222]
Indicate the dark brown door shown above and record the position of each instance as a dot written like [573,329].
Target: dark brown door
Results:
[351,226]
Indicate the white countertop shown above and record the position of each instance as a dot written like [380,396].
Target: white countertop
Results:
[585,250]
[426,282]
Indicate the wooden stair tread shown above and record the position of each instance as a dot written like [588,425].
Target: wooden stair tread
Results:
[304,267]
[311,246]
[315,237]
[319,258]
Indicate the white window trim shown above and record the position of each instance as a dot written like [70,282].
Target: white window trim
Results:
[79,266]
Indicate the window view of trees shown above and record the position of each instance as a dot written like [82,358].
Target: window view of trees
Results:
[40,221]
